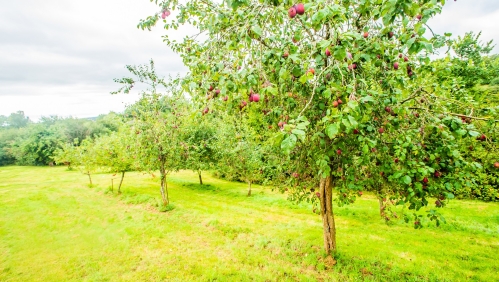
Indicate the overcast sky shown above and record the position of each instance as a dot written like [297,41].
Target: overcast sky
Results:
[59,57]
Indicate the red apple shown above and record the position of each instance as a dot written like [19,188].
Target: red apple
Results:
[340,102]
[381,130]
[285,55]
[328,53]
[356,131]
[292,12]
[300,9]
[496,164]
[396,65]
[425,180]
[335,104]
[225,98]
[256,97]
[366,34]
[338,152]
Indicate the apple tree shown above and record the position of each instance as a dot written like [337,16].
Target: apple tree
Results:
[156,123]
[114,152]
[199,139]
[344,89]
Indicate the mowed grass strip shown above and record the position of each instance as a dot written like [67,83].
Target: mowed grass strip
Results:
[53,227]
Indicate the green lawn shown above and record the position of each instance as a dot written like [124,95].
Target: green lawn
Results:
[53,227]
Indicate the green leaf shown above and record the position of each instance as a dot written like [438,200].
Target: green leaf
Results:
[289,143]
[332,130]
[406,179]
[300,133]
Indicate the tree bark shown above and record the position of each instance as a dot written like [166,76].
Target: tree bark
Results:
[326,198]
[121,182]
[381,208]
[89,178]
[164,187]
[249,190]
[200,178]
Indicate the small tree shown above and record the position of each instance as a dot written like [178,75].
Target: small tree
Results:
[83,157]
[114,152]
[199,138]
[157,121]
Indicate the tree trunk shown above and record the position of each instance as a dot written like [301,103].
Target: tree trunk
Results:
[249,190]
[200,178]
[121,182]
[326,198]
[164,188]
[381,208]
[89,178]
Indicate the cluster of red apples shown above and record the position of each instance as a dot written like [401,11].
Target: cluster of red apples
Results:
[297,9]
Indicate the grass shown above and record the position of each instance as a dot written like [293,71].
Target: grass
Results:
[53,227]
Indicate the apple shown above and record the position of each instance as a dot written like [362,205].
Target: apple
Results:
[300,9]
[496,164]
[352,66]
[217,92]
[381,130]
[340,102]
[211,87]
[338,152]
[425,180]
[400,55]
[437,174]
[285,55]
[390,34]
[328,53]
[318,194]
[312,71]
[243,104]
[388,109]
[366,34]
[396,160]
[406,59]
[165,14]
[206,110]
[356,131]
[225,98]
[349,55]
[295,175]
[335,104]
[396,65]
[419,17]
[256,97]
[292,12]
[373,150]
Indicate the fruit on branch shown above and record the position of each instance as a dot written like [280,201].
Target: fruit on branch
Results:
[356,131]
[496,164]
[205,111]
[396,65]
[425,180]
[328,53]
[366,34]
[292,12]
[381,130]
[225,98]
[335,104]
[300,8]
